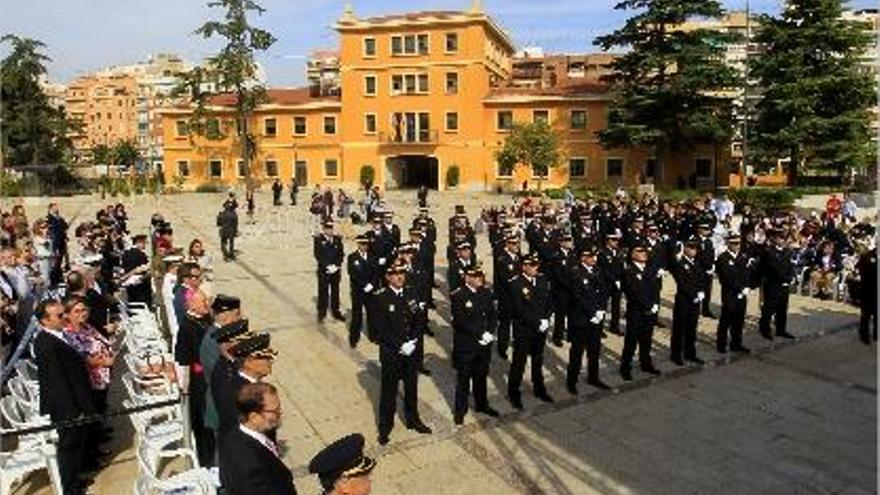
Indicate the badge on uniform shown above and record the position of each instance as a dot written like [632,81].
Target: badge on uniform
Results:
[390,308]
[356,262]
[468,304]
[525,291]
[510,267]
[638,277]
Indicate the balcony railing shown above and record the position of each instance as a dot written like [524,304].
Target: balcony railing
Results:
[425,136]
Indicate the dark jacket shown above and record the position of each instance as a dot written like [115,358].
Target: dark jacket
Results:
[734,274]
[362,271]
[393,322]
[530,304]
[227,221]
[247,467]
[328,251]
[589,293]
[65,390]
[473,313]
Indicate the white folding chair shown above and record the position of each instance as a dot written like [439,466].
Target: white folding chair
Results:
[194,481]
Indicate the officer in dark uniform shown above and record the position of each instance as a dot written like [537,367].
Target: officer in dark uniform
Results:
[642,306]
[429,228]
[777,272]
[393,313]
[329,254]
[381,244]
[734,273]
[611,262]
[461,262]
[866,266]
[363,280]
[224,365]
[562,261]
[342,468]
[531,308]
[417,281]
[706,260]
[689,286]
[473,318]
[589,296]
[193,327]
[391,228]
[507,266]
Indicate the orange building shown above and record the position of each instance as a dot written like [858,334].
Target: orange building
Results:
[105,108]
[422,93]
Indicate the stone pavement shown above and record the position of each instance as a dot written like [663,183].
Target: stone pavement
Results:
[795,417]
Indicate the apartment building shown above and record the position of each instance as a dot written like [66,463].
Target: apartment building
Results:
[105,107]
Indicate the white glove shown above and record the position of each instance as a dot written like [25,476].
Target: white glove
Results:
[745,292]
[617,283]
[408,347]
[422,305]
[487,338]
[331,269]
[655,309]
[700,296]
[545,324]
[710,271]
[660,273]
[368,288]
[598,317]
[381,261]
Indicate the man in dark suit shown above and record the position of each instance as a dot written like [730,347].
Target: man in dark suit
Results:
[706,261]
[65,391]
[777,273]
[507,267]
[250,463]
[329,254]
[473,318]
[611,262]
[363,280]
[589,295]
[227,223]
[561,260]
[734,273]
[136,263]
[642,306]
[690,284]
[531,305]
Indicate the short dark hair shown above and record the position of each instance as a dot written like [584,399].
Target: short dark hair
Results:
[41,311]
[75,281]
[251,398]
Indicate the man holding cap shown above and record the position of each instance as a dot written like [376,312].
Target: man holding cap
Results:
[589,297]
[363,280]
[734,273]
[689,293]
[329,254]
[342,467]
[531,304]
[473,319]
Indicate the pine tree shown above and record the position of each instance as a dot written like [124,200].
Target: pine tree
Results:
[671,89]
[814,103]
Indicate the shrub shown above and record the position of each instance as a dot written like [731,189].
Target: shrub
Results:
[452,176]
[210,187]
[764,198]
[368,175]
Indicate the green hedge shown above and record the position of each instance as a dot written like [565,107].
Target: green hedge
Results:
[452,176]
[210,187]
[765,198]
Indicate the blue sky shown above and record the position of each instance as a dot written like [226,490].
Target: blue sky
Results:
[86,35]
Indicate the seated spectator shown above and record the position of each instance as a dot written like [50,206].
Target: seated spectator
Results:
[824,269]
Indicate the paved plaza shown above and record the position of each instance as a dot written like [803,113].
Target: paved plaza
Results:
[793,417]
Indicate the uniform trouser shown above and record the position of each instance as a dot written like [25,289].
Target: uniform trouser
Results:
[276,199]
[71,444]
[868,321]
[204,436]
[733,318]
[293,200]
[707,288]
[561,304]
[358,304]
[471,370]
[227,246]
[639,333]
[393,371]
[503,326]
[685,317]
[328,289]
[583,340]
[527,348]
[614,325]
[775,305]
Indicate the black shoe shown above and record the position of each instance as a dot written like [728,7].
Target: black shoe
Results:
[516,402]
[545,397]
[458,420]
[353,344]
[785,335]
[626,374]
[708,314]
[431,305]
[383,439]
[502,353]
[660,324]
[766,334]
[488,411]
[722,350]
[420,427]
[615,331]
[741,349]
[603,334]
[425,371]
[429,332]
[321,319]
[696,360]
[599,384]
[651,370]
[677,361]
[865,341]
[338,316]
[572,388]
[557,341]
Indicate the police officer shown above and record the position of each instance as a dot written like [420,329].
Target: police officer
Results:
[507,267]
[393,312]
[562,260]
[381,243]
[342,468]
[473,318]
[734,273]
[329,254]
[611,262]
[589,296]
[363,279]
[227,223]
[429,229]
[777,273]
[689,286]
[531,308]
[642,307]
[417,281]
[866,266]
[461,262]
[706,260]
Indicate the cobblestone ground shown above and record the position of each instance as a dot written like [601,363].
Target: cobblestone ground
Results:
[794,417]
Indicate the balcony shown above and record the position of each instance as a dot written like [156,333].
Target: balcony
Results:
[423,136]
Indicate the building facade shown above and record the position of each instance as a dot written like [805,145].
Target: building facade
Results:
[105,108]
[423,93]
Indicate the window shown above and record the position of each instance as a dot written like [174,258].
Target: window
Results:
[213,129]
[269,127]
[503,171]
[299,126]
[614,167]
[369,47]
[396,45]
[329,125]
[396,85]
[410,44]
[409,84]
[240,170]
[578,120]
[411,127]
[422,41]
[651,168]
[423,83]
[331,167]
[451,121]
[370,85]
[182,128]
[451,82]
[451,42]
[370,123]
[703,167]
[541,116]
[183,168]
[505,120]
[577,167]
[216,168]
[271,168]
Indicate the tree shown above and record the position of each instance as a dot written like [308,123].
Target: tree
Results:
[125,153]
[671,88]
[33,131]
[535,145]
[233,69]
[814,106]
[102,155]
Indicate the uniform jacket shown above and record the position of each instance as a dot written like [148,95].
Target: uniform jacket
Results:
[247,467]
[473,313]
[393,321]
[530,303]
[65,390]
[589,293]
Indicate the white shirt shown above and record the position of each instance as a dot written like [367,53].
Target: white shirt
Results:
[247,378]
[263,439]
